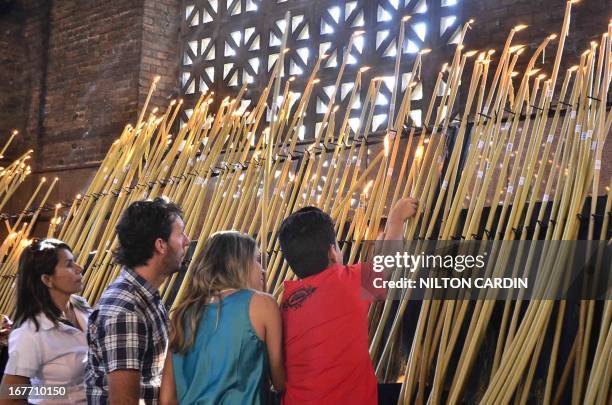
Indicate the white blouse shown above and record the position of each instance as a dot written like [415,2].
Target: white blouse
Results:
[54,355]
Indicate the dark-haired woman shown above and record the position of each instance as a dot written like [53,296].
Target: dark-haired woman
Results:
[49,344]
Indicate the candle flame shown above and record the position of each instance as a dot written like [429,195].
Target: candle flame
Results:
[541,76]
[58,206]
[470,54]
[78,196]
[425,51]
[491,52]
[358,33]
[386,144]
[406,18]
[15,132]
[573,68]
[44,179]
[364,69]
[366,189]
[418,153]
[552,36]
[156,79]
[520,27]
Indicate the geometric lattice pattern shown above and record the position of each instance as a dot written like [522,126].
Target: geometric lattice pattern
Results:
[226,43]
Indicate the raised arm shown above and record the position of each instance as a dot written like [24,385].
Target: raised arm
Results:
[402,210]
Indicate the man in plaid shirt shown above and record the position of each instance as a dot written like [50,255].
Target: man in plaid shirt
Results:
[128,332]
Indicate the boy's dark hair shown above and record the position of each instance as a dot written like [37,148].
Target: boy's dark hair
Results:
[305,237]
[140,225]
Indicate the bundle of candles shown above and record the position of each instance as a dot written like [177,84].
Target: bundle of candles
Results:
[12,176]
[526,154]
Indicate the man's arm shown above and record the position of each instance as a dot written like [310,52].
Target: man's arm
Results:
[124,387]
[123,343]
[167,392]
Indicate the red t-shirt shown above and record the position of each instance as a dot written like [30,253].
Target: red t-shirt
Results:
[325,325]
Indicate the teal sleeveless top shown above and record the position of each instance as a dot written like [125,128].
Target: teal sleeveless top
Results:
[228,362]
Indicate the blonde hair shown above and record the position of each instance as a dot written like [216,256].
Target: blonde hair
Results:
[224,263]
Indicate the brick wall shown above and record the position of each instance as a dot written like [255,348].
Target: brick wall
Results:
[92,79]
[73,73]
[12,97]
[22,31]
[160,51]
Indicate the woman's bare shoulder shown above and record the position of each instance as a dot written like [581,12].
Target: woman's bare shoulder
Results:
[264,301]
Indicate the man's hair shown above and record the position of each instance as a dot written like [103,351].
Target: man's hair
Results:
[305,237]
[140,225]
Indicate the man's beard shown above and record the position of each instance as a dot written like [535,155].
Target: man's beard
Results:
[174,263]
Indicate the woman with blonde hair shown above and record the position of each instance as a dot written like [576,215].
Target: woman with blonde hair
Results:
[225,337]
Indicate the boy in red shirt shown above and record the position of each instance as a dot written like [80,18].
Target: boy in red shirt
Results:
[325,317]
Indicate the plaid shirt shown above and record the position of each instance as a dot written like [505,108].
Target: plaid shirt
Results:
[128,330]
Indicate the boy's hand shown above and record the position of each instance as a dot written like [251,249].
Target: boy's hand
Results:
[403,209]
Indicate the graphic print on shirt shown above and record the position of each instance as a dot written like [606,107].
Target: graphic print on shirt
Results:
[297,298]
